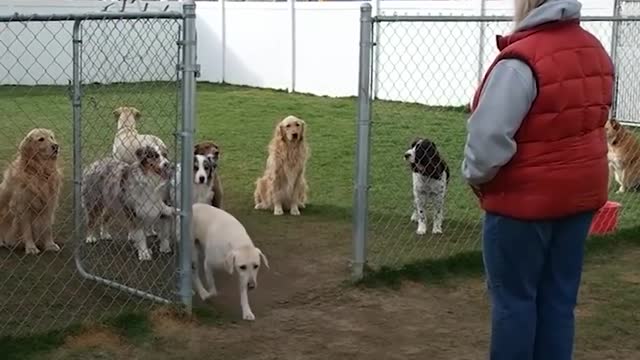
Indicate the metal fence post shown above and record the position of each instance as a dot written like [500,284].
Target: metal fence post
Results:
[292,48]
[223,39]
[189,71]
[483,11]
[615,35]
[76,105]
[362,152]
[376,55]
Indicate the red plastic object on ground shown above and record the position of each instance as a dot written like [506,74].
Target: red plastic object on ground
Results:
[606,219]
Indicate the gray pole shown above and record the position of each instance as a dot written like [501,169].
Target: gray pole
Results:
[615,34]
[376,58]
[362,152]
[189,70]
[76,98]
[483,11]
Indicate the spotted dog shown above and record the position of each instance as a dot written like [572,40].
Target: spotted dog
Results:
[430,181]
[129,195]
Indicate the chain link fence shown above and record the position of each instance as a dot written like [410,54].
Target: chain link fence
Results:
[420,73]
[83,191]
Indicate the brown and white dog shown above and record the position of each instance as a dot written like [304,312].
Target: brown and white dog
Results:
[212,152]
[283,183]
[624,155]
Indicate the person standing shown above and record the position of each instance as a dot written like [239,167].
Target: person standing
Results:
[536,157]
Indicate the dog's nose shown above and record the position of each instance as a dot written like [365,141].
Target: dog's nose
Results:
[295,136]
[251,285]
[55,147]
[406,155]
[201,179]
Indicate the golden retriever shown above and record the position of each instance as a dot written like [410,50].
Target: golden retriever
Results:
[624,156]
[29,193]
[283,184]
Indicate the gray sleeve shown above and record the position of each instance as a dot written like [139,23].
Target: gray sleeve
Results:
[505,100]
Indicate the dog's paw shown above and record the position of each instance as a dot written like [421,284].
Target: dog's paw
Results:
[204,295]
[422,229]
[165,248]
[248,316]
[106,236]
[436,230]
[278,211]
[213,292]
[294,211]
[260,206]
[31,250]
[620,191]
[52,247]
[144,255]
[91,239]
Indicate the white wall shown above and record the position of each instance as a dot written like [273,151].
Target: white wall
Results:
[40,53]
[430,63]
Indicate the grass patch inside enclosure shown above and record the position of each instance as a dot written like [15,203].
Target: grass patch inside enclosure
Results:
[23,348]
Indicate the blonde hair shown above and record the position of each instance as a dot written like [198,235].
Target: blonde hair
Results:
[523,8]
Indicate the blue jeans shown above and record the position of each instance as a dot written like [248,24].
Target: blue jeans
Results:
[533,273]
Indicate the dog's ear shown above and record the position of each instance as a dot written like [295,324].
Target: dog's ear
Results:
[615,125]
[141,153]
[263,257]
[117,112]
[211,167]
[136,113]
[279,133]
[230,262]
[26,148]
[303,129]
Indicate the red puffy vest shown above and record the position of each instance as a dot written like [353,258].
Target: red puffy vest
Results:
[560,166]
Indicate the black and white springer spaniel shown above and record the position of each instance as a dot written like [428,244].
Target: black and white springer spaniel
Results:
[430,181]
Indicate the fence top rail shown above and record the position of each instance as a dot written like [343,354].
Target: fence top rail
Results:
[481,18]
[16,17]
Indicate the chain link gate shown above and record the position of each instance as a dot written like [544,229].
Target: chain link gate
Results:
[416,78]
[65,80]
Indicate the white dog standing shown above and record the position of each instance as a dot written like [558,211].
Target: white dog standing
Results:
[226,246]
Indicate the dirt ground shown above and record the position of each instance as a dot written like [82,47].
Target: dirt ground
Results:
[305,310]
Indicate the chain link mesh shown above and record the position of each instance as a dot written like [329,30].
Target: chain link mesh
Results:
[124,62]
[425,74]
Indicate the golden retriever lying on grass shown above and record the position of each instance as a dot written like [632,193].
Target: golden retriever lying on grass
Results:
[283,184]
[29,193]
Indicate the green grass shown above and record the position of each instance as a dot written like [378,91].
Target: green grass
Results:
[23,348]
[135,327]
